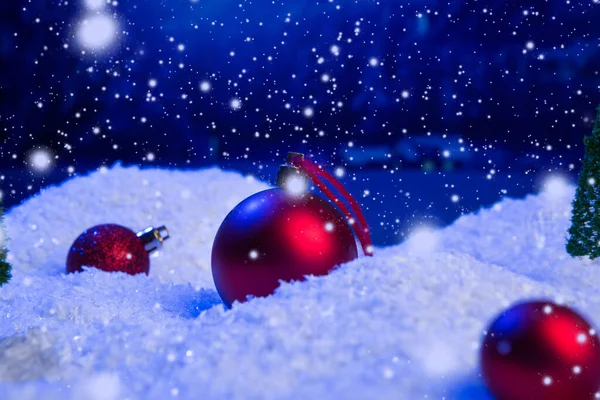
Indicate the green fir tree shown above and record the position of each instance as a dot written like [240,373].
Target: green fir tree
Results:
[584,234]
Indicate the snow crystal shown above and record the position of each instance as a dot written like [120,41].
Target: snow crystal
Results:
[205,86]
[40,160]
[235,104]
[97,32]
[403,324]
[94,5]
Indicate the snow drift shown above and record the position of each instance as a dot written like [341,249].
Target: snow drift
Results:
[403,324]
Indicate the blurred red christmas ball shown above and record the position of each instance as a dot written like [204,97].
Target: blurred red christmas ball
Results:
[274,235]
[113,248]
[543,351]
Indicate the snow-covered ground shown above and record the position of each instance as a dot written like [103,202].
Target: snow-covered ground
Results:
[404,324]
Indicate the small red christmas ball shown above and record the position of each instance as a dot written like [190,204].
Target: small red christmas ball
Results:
[543,351]
[111,248]
[274,236]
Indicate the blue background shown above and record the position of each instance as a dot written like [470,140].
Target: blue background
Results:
[509,114]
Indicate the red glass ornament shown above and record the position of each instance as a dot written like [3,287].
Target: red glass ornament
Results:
[274,235]
[543,351]
[113,248]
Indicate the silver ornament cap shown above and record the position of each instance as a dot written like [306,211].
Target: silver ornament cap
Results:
[153,238]
[290,177]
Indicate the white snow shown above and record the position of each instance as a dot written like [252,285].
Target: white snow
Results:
[404,324]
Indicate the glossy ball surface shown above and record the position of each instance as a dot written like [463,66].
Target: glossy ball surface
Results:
[111,248]
[541,350]
[273,236]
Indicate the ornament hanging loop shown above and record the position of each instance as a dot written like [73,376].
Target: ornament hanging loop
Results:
[301,166]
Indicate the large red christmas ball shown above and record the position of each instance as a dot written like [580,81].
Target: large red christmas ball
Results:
[275,236]
[111,248]
[543,351]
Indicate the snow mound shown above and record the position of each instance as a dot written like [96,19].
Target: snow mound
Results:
[403,324]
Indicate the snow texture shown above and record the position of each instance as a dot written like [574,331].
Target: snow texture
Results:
[404,324]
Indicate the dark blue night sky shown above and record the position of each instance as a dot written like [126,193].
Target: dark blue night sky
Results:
[483,98]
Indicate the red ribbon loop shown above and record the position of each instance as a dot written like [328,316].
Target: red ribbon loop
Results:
[358,224]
